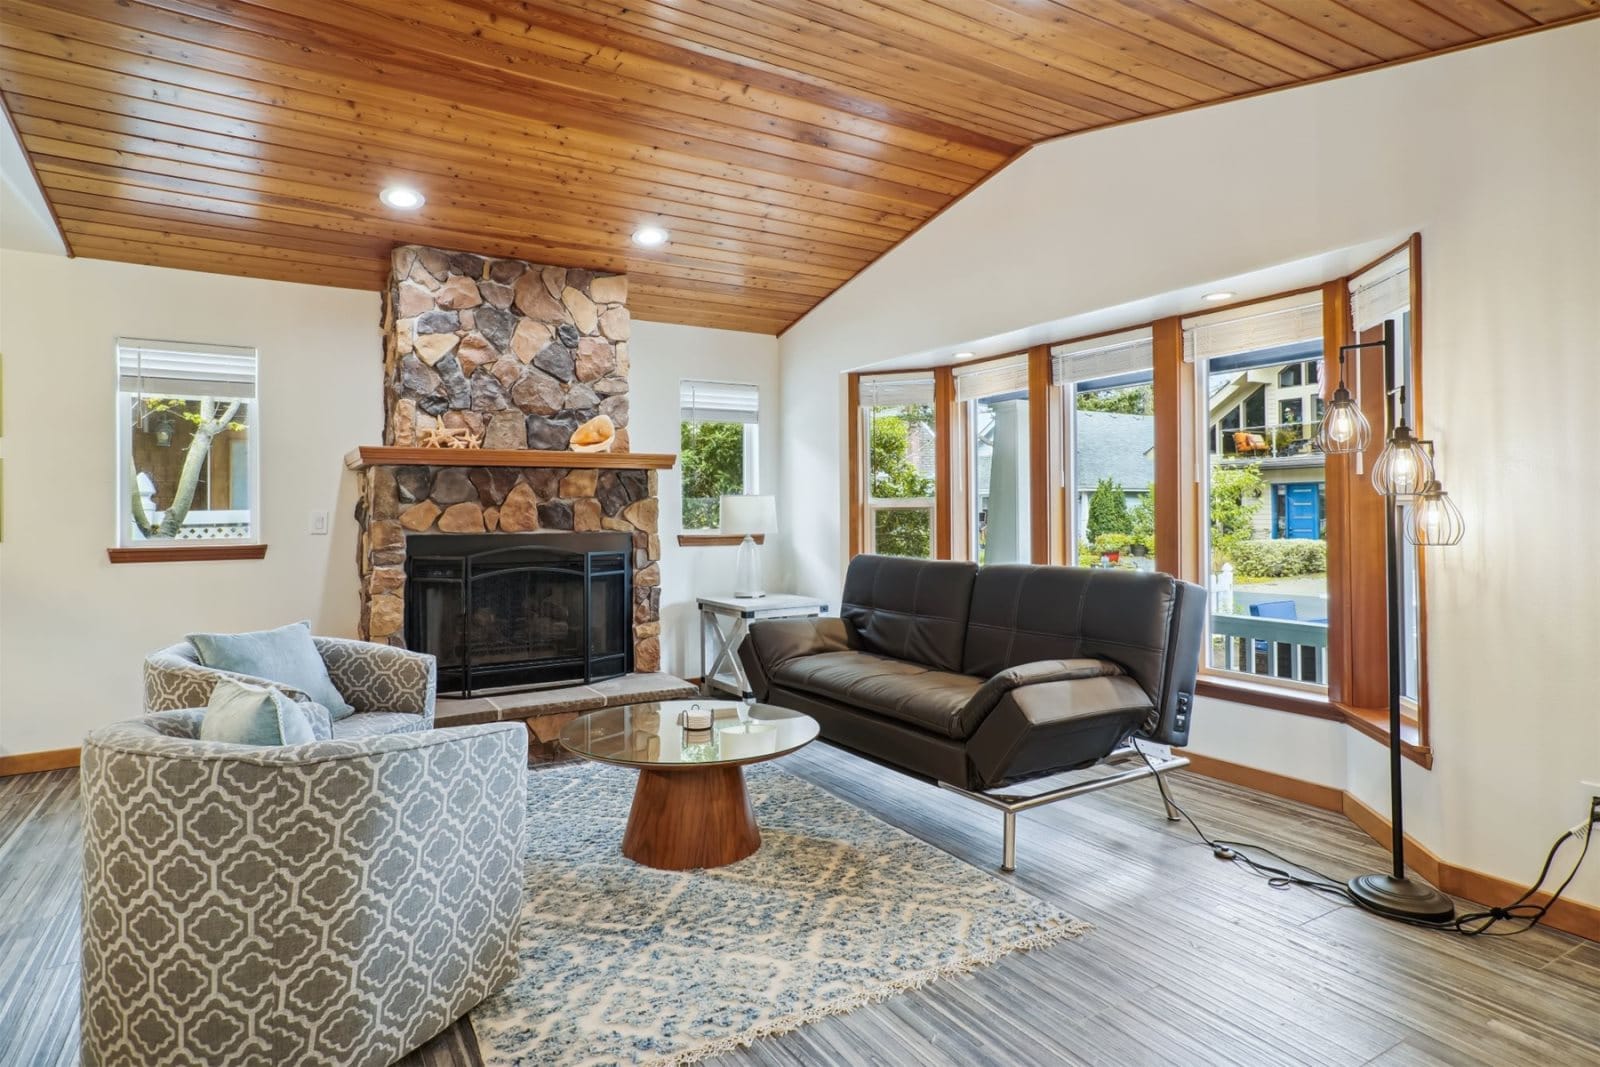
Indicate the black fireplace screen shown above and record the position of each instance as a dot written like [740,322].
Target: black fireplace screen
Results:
[516,611]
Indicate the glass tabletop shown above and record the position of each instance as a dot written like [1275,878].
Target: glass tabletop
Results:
[654,735]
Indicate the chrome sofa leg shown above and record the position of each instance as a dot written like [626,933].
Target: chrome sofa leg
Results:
[1010,805]
[1173,814]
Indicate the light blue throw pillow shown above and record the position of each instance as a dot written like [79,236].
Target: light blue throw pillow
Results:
[242,714]
[286,655]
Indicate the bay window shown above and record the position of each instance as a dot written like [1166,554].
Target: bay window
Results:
[1190,444]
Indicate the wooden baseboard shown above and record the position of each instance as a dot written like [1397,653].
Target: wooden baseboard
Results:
[1572,916]
[1325,797]
[56,759]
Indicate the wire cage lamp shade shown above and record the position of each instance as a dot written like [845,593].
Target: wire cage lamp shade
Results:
[1434,519]
[1344,428]
[1404,467]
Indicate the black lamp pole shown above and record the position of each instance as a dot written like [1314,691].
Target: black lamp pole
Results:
[1394,894]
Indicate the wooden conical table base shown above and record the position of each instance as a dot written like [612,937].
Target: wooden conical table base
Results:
[690,817]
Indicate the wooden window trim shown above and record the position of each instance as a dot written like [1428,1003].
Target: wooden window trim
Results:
[858,487]
[185,553]
[944,412]
[1044,463]
[712,538]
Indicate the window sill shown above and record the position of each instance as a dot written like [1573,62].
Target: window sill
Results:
[1373,722]
[185,553]
[712,538]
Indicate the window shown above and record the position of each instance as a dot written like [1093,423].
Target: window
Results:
[902,457]
[1109,397]
[718,439]
[1265,494]
[187,468]
[994,402]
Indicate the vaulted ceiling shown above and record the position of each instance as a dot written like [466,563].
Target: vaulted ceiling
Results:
[785,144]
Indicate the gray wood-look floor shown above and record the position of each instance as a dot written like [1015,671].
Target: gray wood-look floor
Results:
[1193,961]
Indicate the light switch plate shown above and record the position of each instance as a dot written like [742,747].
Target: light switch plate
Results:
[319,522]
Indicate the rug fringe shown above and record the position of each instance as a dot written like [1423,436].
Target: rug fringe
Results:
[1065,931]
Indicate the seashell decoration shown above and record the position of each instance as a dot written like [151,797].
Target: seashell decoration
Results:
[596,435]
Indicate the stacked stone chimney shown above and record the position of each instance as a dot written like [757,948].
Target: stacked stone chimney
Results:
[521,356]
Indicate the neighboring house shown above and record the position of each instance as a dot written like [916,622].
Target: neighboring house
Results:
[1269,416]
[1116,446]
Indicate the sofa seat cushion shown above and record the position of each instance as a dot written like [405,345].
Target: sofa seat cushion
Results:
[928,699]
[373,723]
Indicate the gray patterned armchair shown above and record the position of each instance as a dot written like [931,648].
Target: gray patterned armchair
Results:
[333,903]
[391,689]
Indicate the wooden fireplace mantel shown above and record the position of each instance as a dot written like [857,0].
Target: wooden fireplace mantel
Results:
[389,456]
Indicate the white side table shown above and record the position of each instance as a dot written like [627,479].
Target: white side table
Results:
[724,622]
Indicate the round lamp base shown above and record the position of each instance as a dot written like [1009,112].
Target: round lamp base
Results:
[1402,898]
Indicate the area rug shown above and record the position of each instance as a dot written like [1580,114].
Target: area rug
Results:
[622,964]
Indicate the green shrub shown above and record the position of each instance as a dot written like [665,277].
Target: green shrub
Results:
[1278,559]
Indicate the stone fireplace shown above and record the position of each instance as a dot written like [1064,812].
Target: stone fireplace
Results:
[519,357]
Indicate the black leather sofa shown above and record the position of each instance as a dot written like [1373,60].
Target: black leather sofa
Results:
[982,678]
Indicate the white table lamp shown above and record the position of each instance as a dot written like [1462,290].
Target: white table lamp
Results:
[749,515]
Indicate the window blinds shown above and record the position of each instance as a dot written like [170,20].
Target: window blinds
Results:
[1285,321]
[1125,353]
[1381,292]
[170,368]
[896,390]
[992,378]
[718,402]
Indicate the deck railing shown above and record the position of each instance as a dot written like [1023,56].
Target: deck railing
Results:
[1272,648]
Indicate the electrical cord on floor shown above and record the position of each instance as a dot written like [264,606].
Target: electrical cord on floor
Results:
[1294,873]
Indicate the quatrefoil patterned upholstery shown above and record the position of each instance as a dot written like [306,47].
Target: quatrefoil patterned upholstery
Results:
[374,679]
[336,903]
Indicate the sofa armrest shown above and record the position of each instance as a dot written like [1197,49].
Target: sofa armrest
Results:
[774,642]
[173,680]
[374,677]
[1039,672]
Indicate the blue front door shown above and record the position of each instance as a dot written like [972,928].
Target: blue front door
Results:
[1300,511]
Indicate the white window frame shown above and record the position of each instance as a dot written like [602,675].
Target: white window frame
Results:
[750,476]
[124,459]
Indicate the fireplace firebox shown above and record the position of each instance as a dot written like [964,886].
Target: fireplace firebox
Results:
[516,611]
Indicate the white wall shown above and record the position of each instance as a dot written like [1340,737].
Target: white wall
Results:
[662,356]
[74,628]
[1492,154]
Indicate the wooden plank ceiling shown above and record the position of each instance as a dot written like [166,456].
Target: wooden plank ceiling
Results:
[786,144]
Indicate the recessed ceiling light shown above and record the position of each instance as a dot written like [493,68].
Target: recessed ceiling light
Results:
[401,196]
[650,236]
[1217,298]
[965,355]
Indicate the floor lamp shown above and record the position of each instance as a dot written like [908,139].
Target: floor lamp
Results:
[1404,472]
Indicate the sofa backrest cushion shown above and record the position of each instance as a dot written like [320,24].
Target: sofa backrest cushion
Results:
[1024,613]
[909,609]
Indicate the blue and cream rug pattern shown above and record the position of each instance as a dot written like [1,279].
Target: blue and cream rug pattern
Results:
[622,964]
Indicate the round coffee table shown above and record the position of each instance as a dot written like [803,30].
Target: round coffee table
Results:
[690,808]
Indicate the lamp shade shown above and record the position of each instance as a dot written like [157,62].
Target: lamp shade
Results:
[1404,466]
[749,515]
[1434,519]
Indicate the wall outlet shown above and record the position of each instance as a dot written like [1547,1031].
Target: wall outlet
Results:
[1591,796]
[319,522]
